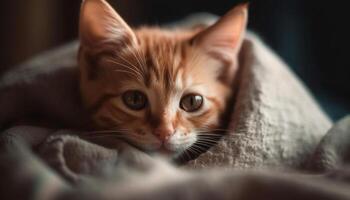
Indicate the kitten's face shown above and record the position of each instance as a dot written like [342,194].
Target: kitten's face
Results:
[160,90]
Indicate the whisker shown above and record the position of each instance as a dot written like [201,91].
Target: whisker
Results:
[193,150]
[135,56]
[215,130]
[127,72]
[209,138]
[205,144]
[142,58]
[199,147]
[136,73]
[234,136]
[209,134]
[209,141]
[202,147]
[131,65]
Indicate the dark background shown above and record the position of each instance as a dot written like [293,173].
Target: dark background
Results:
[311,36]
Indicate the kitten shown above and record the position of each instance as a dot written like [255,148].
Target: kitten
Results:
[161,90]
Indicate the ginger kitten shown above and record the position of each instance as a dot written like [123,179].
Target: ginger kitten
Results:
[161,90]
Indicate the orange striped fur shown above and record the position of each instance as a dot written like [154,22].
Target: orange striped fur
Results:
[163,64]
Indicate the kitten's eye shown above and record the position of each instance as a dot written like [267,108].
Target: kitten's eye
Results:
[191,102]
[134,99]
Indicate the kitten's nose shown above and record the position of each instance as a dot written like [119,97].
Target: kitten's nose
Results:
[164,132]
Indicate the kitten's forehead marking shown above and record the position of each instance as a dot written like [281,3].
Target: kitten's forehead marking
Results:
[164,54]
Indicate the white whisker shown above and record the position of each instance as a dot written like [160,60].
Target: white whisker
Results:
[137,73]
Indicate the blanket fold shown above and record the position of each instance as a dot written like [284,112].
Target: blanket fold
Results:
[77,159]
[334,149]
[132,180]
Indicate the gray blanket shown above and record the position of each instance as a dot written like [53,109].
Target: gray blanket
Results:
[84,170]
[275,129]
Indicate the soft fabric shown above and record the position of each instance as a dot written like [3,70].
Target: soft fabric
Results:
[89,171]
[333,150]
[44,90]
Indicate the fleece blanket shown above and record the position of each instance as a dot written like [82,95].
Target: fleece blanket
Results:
[273,123]
[84,170]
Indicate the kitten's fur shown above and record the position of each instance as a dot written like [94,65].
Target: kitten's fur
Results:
[164,65]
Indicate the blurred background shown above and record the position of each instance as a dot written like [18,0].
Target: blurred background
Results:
[311,36]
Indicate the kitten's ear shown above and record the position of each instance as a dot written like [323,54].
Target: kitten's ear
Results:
[100,23]
[227,33]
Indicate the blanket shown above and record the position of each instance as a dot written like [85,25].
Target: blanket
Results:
[84,170]
[274,123]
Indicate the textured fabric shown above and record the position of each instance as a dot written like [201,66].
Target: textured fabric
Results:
[44,88]
[89,171]
[275,121]
[333,150]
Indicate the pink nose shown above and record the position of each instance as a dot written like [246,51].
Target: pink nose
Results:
[164,132]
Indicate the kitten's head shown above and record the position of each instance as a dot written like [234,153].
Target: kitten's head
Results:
[159,89]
